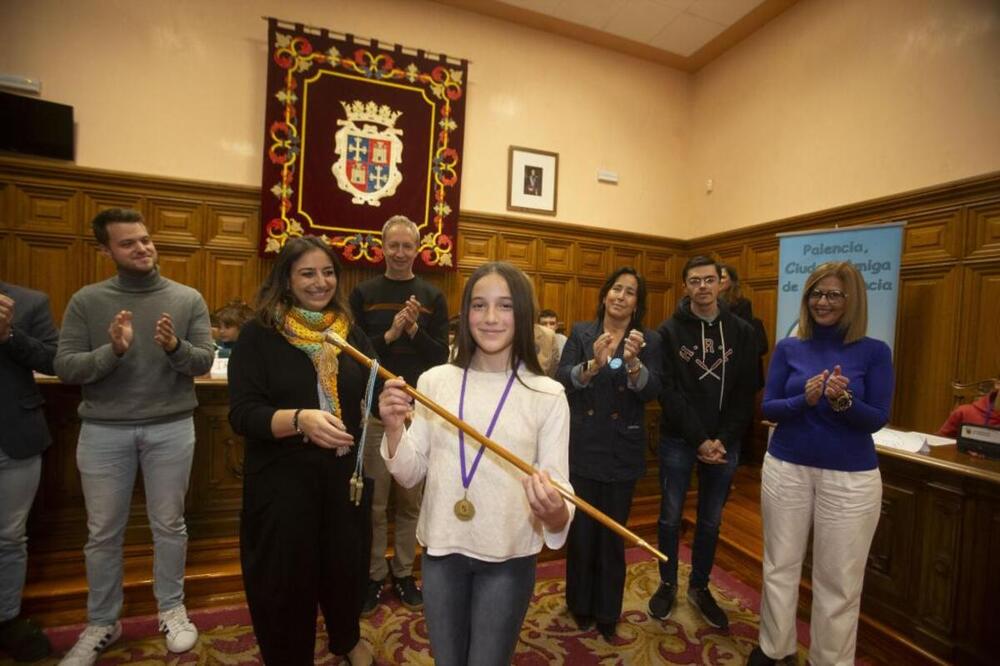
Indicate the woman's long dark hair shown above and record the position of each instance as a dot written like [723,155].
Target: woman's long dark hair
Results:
[734,293]
[275,296]
[640,296]
[523,297]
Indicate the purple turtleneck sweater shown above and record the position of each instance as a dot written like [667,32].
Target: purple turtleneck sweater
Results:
[818,436]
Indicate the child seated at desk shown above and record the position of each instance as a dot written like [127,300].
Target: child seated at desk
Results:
[984,410]
[230,319]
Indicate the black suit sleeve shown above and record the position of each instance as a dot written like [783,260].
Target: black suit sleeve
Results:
[34,340]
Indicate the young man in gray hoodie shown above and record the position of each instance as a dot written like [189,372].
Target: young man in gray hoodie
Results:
[134,342]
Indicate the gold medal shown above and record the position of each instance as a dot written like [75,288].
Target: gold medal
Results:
[464,509]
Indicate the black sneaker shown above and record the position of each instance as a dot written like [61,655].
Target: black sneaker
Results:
[661,604]
[704,602]
[759,658]
[408,592]
[372,596]
[24,640]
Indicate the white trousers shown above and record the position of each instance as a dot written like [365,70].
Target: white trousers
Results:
[843,509]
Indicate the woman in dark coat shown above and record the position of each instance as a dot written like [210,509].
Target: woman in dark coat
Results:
[296,399]
[610,367]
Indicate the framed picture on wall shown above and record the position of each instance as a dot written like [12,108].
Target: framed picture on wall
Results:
[532,180]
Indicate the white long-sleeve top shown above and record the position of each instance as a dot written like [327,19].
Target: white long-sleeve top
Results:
[534,425]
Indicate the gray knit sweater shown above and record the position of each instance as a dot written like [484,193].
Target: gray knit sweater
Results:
[145,384]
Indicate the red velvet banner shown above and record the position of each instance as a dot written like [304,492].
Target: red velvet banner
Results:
[356,133]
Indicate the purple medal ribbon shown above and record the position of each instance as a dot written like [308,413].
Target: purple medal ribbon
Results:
[467,478]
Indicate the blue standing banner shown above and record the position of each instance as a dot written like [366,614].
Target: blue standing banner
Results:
[874,250]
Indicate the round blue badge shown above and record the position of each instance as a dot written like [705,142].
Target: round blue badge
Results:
[615,363]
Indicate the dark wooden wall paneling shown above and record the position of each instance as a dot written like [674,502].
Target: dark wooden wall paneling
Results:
[949,296]
[207,235]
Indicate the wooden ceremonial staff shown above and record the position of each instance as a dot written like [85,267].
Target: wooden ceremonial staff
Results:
[586,507]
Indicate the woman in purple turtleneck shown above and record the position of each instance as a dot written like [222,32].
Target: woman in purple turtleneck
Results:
[828,390]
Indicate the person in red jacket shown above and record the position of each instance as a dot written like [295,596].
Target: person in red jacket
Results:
[984,410]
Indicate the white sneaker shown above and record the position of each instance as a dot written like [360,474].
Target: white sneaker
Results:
[180,633]
[92,642]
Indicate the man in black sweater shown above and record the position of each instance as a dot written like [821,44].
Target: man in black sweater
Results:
[709,381]
[406,319]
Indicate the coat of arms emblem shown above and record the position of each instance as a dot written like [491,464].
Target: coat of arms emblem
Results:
[368,156]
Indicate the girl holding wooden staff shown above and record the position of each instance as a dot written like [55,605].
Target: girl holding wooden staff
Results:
[482,521]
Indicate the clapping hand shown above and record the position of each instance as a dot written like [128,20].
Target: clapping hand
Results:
[814,387]
[633,345]
[405,320]
[165,336]
[836,384]
[121,332]
[604,347]
[412,310]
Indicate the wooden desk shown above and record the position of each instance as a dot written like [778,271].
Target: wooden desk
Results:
[934,568]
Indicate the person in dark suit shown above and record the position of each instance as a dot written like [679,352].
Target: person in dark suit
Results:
[27,343]
[610,369]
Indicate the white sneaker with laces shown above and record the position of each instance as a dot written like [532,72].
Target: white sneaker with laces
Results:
[179,631]
[92,642]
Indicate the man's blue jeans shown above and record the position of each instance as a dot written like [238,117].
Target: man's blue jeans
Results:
[108,457]
[677,461]
[18,485]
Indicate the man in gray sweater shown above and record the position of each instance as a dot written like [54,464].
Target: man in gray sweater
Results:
[134,342]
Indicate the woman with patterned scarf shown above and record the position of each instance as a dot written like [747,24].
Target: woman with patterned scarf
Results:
[298,402]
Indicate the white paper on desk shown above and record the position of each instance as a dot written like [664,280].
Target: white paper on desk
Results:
[220,368]
[938,440]
[895,439]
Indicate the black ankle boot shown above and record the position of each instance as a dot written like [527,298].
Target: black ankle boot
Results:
[758,658]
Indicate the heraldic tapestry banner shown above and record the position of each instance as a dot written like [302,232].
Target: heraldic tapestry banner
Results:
[354,134]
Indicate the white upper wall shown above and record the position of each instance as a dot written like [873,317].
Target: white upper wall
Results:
[176,88]
[838,101]
[833,102]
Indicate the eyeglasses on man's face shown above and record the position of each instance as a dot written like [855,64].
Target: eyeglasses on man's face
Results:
[833,296]
[698,281]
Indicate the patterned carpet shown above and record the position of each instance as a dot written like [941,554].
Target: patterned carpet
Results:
[549,635]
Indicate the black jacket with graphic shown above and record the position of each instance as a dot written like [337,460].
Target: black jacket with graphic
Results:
[709,377]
